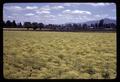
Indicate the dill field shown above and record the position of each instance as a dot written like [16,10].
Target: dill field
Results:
[59,55]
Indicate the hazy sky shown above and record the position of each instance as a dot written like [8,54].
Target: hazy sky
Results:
[58,13]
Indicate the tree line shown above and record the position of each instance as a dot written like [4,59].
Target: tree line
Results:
[63,27]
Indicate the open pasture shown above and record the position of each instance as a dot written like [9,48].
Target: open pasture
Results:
[59,55]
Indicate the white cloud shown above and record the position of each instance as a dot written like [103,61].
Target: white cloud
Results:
[67,4]
[29,14]
[60,15]
[43,12]
[38,12]
[71,4]
[92,4]
[31,7]
[49,16]
[77,12]
[15,14]
[101,16]
[13,8]
[80,15]
[112,17]
[9,16]
[45,8]
[81,12]
[76,15]
[48,8]
[97,15]
[57,7]
[52,19]
[98,4]
[67,11]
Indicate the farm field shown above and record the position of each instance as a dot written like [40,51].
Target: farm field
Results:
[59,55]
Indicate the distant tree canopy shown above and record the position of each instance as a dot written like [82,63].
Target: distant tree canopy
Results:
[9,24]
[14,23]
[101,24]
[19,25]
[63,27]
[34,25]
[41,25]
[27,25]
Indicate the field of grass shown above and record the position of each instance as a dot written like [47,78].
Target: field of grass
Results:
[59,55]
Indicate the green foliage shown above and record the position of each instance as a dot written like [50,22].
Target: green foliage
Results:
[59,55]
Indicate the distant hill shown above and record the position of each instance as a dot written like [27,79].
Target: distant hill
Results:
[106,21]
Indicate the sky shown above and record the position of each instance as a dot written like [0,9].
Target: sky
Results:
[58,13]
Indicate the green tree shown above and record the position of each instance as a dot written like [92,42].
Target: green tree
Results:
[101,24]
[27,25]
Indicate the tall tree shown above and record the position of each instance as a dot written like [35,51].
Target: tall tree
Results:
[84,26]
[101,24]
[8,24]
[79,27]
[34,25]
[41,25]
[27,25]
[96,25]
[75,27]
[14,24]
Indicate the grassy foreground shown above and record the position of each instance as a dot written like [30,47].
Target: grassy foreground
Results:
[59,55]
